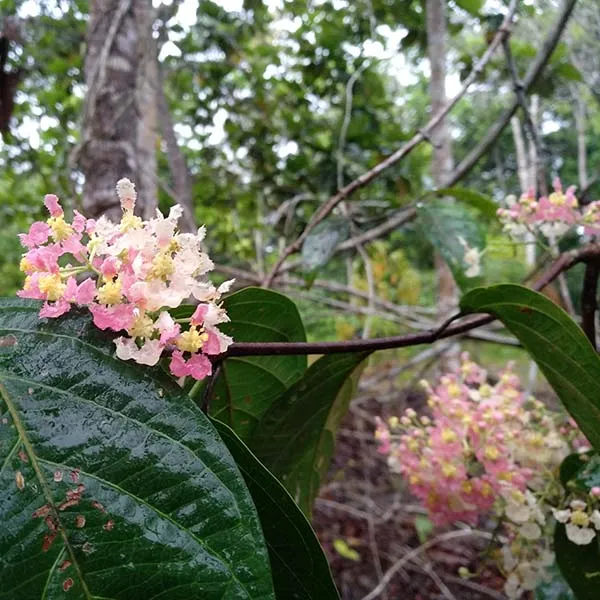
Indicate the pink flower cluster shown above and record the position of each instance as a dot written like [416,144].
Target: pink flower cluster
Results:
[128,274]
[551,215]
[482,443]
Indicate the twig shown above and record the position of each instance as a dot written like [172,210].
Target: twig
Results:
[397,156]
[530,78]
[563,263]
[409,556]
[210,386]
[589,300]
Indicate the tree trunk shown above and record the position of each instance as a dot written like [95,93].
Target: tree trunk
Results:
[442,149]
[119,133]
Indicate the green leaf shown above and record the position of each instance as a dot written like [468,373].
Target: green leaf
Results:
[449,226]
[299,567]
[167,513]
[320,244]
[579,565]
[248,385]
[296,437]
[569,71]
[345,551]
[554,341]
[424,527]
[580,471]
[481,202]
[471,6]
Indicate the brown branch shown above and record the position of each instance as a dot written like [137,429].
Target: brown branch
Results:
[401,153]
[561,264]
[531,77]
[589,300]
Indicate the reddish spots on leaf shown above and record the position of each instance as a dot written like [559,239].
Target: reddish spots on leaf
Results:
[51,524]
[68,504]
[64,565]
[8,340]
[23,456]
[87,548]
[42,511]
[79,521]
[48,540]
[108,526]
[74,475]
[20,480]
[58,476]
[98,506]
[67,584]
[526,310]
[248,399]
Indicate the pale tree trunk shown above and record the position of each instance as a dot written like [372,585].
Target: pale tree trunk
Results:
[442,149]
[581,143]
[119,133]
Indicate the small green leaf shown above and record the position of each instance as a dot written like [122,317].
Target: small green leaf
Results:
[471,6]
[483,203]
[424,527]
[321,242]
[299,566]
[344,550]
[569,71]
[163,511]
[554,341]
[449,227]
[295,439]
[248,385]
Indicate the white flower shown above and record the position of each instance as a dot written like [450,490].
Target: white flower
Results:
[580,535]
[562,516]
[530,531]
[471,258]
[126,189]
[148,354]
[578,505]
[529,575]
[512,587]
[595,519]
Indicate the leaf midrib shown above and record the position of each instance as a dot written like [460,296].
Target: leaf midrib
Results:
[12,409]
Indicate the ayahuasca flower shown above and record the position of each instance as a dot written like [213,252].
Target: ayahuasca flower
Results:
[129,274]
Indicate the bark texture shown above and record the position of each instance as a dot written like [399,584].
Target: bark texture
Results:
[119,133]
[442,144]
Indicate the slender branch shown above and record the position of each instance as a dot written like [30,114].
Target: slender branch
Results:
[401,153]
[589,300]
[530,78]
[561,264]
[210,386]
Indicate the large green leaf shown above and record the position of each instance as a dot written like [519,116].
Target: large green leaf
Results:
[299,567]
[161,512]
[295,438]
[483,203]
[452,229]
[248,385]
[322,241]
[554,341]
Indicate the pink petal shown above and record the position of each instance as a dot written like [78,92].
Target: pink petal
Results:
[52,204]
[116,317]
[169,330]
[79,222]
[212,345]
[178,366]
[38,234]
[73,246]
[199,366]
[199,314]
[56,309]
[70,290]
[86,292]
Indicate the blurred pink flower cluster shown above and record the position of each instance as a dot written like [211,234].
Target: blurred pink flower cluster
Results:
[551,215]
[129,274]
[488,449]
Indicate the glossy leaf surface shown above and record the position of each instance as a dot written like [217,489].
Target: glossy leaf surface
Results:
[299,566]
[296,437]
[248,385]
[144,497]
[554,341]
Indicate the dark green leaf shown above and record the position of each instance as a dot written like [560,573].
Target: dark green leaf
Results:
[295,438]
[568,71]
[299,567]
[248,385]
[579,565]
[481,202]
[554,341]
[173,518]
[452,229]
[580,470]
[321,242]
